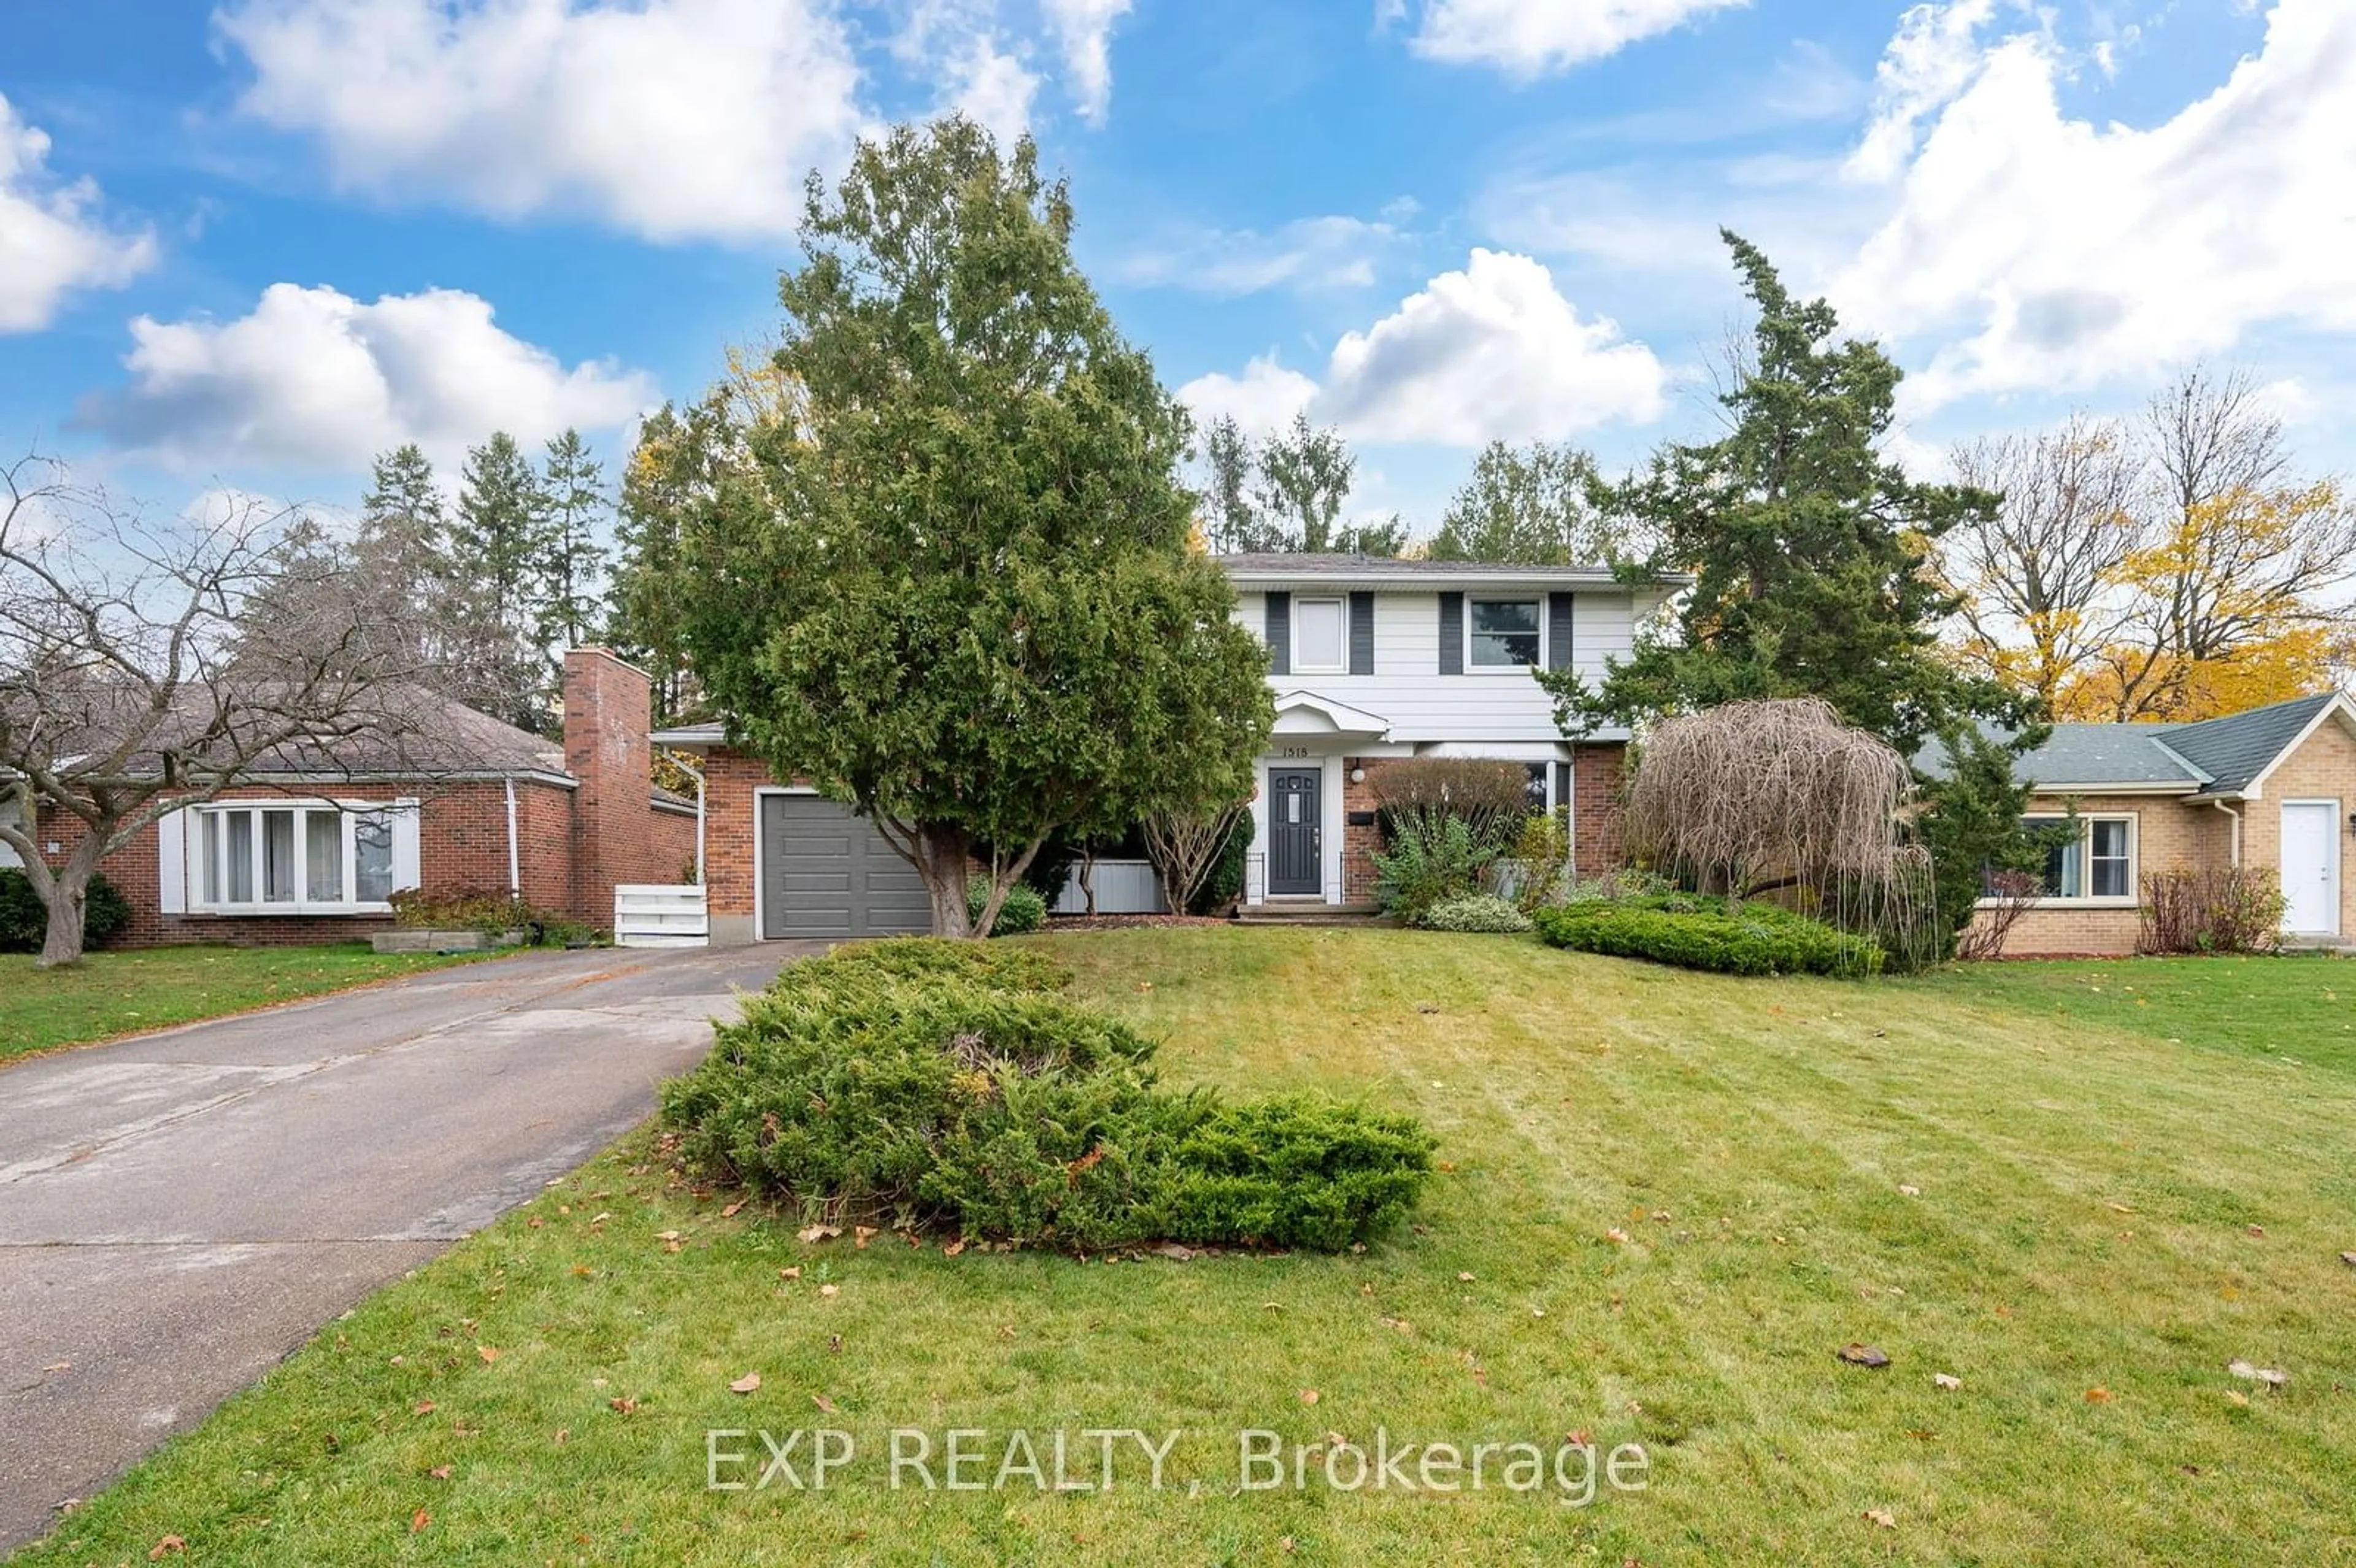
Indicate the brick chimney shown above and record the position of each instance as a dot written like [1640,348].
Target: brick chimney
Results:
[608,709]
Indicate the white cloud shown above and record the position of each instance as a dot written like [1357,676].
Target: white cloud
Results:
[1532,37]
[672,119]
[52,239]
[2051,254]
[1492,352]
[1084,28]
[979,74]
[315,380]
[1308,253]
[1929,61]
[1264,397]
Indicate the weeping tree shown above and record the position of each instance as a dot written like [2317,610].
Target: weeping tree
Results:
[1773,794]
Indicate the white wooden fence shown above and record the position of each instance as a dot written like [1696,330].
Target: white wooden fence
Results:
[652,915]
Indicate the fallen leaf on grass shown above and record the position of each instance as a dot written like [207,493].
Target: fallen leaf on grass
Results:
[622,1404]
[1309,1396]
[734,1209]
[1464,1276]
[166,1547]
[1947,1380]
[440,1472]
[824,1403]
[793,1273]
[818,1233]
[1908,1189]
[1616,1236]
[419,1521]
[2098,1396]
[2238,1396]
[2349,1258]
[829,1290]
[488,1352]
[1882,1517]
[745,1384]
[860,1235]
[952,1249]
[2257,1230]
[1861,1355]
[423,1407]
[2272,1377]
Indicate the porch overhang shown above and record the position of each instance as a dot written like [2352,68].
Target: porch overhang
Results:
[1306,713]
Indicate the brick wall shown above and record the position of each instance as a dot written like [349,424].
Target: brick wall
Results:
[1597,775]
[1359,842]
[2168,833]
[2323,769]
[730,777]
[618,836]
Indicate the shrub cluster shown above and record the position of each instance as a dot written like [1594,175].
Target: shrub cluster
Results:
[924,1083]
[1024,909]
[1695,931]
[2236,909]
[1484,913]
[1431,860]
[492,911]
[25,919]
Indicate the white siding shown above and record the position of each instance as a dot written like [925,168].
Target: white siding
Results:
[1423,705]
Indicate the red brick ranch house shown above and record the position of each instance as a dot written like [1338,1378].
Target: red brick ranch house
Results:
[311,848]
[1369,661]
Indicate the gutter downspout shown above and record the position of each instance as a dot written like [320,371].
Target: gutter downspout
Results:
[2237,830]
[515,863]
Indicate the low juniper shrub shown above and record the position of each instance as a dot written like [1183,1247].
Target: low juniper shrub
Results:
[950,1086]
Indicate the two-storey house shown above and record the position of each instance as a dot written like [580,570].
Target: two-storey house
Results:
[1371,660]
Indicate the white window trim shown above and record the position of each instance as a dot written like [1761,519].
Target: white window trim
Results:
[1520,670]
[11,812]
[2086,821]
[1341,666]
[403,818]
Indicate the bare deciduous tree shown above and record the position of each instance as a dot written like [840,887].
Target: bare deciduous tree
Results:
[1183,846]
[2039,576]
[147,664]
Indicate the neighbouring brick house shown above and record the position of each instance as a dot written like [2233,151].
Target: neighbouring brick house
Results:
[302,853]
[1370,660]
[2271,789]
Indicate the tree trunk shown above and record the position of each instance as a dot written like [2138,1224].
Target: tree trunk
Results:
[1088,878]
[68,901]
[941,857]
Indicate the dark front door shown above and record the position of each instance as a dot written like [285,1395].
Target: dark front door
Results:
[1292,831]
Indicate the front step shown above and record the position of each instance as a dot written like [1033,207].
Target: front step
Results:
[1311,912]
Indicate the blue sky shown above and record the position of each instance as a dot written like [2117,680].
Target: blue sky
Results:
[248,245]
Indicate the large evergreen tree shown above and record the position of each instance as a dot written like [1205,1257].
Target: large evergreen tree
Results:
[1811,558]
[572,559]
[1809,549]
[499,549]
[953,588]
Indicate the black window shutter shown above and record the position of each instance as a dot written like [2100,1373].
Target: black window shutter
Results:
[1557,631]
[1362,633]
[1451,634]
[1562,784]
[1279,634]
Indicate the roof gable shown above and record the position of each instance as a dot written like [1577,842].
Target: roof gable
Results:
[2237,749]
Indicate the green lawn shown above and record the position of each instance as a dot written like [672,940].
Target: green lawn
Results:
[1667,1200]
[108,994]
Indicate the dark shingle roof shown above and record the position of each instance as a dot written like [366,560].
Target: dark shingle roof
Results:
[2214,756]
[2236,749]
[1383,568]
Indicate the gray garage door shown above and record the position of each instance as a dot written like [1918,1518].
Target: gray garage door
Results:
[825,872]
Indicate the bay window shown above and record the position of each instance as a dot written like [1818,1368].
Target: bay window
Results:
[310,858]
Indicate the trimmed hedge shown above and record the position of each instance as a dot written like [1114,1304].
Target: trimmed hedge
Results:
[941,1084]
[1694,932]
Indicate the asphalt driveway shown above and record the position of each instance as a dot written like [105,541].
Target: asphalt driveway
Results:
[179,1211]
